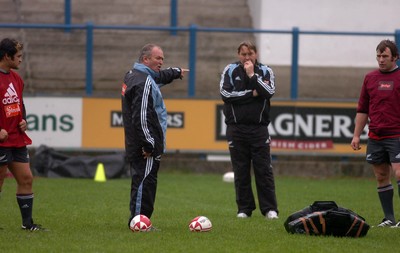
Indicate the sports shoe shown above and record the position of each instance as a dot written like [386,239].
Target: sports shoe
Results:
[397,225]
[33,227]
[272,215]
[129,222]
[242,215]
[386,223]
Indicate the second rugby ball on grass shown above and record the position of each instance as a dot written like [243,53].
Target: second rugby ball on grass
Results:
[228,177]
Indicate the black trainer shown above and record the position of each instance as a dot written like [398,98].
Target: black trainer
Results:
[129,221]
[33,227]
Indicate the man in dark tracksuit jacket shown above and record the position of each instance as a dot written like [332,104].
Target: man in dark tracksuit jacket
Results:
[246,88]
[145,125]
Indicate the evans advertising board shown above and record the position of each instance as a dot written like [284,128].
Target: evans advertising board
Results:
[54,122]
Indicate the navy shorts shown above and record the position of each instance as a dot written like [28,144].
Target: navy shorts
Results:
[383,151]
[8,155]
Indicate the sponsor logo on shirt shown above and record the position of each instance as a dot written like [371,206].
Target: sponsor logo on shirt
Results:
[385,85]
[12,110]
[124,86]
[11,102]
[11,96]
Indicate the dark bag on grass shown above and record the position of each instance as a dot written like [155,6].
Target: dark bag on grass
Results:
[326,218]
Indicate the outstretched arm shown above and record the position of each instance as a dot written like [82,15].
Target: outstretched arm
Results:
[166,76]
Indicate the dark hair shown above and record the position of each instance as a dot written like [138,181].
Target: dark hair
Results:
[250,45]
[9,47]
[388,44]
[146,51]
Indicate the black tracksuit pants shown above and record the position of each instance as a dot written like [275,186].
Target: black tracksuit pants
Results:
[143,185]
[250,145]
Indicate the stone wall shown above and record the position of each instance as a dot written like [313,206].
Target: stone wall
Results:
[55,60]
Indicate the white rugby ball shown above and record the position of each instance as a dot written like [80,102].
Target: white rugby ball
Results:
[200,224]
[140,223]
[228,177]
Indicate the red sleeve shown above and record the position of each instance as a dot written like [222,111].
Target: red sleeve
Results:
[363,101]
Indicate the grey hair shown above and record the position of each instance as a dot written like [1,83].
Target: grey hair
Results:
[146,51]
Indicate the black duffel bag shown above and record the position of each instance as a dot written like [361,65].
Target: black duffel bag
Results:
[326,218]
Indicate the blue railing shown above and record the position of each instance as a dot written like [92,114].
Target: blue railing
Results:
[173,14]
[67,13]
[193,30]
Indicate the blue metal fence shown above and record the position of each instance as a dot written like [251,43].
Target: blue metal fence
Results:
[193,30]
[67,13]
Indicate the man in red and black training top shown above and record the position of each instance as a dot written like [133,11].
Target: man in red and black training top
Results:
[13,139]
[380,102]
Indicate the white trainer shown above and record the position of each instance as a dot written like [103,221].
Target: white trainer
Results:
[242,215]
[272,215]
[397,225]
[386,223]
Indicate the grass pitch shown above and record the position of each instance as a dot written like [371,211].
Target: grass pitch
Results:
[87,216]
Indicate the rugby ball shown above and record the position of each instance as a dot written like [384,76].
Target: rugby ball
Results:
[200,224]
[140,223]
[228,177]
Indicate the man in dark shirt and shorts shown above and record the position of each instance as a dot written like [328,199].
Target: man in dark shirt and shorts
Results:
[380,102]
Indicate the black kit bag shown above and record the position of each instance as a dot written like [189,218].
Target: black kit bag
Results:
[326,218]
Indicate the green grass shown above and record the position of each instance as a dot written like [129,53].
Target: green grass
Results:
[88,216]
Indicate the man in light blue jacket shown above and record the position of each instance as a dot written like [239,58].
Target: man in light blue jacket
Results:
[145,124]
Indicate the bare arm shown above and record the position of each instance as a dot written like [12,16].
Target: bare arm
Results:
[361,121]
[3,135]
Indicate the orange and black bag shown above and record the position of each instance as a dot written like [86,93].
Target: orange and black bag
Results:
[326,218]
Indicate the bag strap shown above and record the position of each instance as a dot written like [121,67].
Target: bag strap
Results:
[315,229]
[322,222]
[323,205]
[359,229]
[303,220]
